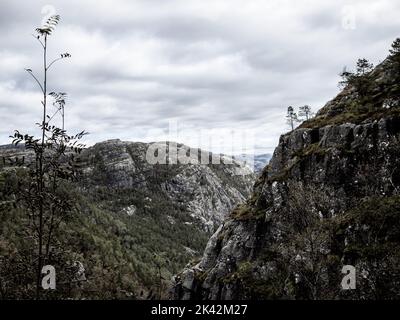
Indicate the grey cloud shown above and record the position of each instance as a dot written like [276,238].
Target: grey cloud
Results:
[234,64]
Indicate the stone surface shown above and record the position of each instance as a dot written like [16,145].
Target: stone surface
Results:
[341,163]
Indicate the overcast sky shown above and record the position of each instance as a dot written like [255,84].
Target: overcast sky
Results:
[210,65]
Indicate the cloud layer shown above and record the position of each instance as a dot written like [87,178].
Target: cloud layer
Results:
[211,64]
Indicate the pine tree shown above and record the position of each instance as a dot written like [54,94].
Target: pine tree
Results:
[363,67]
[305,111]
[395,50]
[359,80]
[291,117]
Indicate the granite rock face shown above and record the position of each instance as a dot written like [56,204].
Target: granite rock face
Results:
[350,162]
[343,174]
[206,192]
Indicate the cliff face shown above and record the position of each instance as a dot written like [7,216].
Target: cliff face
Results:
[130,217]
[329,197]
[206,193]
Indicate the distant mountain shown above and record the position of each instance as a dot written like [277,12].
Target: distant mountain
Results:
[10,147]
[206,192]
[130,210]
[256,162]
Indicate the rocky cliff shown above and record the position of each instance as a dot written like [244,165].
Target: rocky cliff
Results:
[207,192]
[131,219]
[328,198]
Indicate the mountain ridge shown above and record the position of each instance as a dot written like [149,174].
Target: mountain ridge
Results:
[328,197]
[129,215]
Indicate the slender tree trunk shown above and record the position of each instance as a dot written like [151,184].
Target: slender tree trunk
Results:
[41,175]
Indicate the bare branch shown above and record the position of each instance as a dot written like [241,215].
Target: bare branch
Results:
[54,61]
[51,118]
[38,39]
[33,76]
[63,56]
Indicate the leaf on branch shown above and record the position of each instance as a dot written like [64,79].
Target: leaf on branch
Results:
[49,26]
[59,98]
